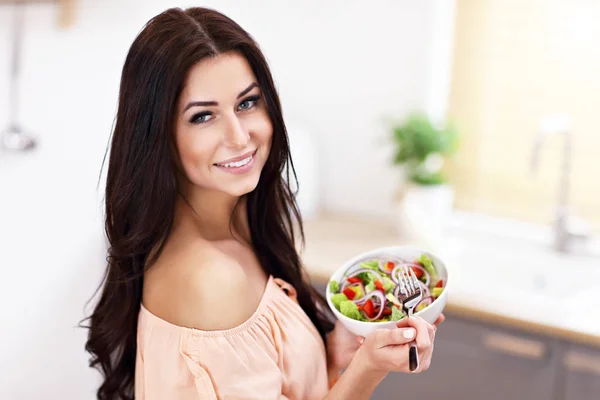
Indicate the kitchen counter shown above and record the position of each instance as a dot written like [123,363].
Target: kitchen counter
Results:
[331,239]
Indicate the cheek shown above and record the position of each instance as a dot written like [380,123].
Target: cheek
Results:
[262,130]
[196,156]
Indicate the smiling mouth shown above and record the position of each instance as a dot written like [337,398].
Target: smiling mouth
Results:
[239,163]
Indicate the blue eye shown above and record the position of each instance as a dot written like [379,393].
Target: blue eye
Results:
[201,118]
[248,103]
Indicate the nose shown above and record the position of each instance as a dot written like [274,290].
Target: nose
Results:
[236,136]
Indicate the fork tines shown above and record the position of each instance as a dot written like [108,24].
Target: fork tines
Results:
[409,284]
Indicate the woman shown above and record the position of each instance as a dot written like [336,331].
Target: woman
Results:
[204,295]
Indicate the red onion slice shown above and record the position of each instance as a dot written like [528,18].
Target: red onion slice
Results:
[427,276]
[360,301]
[345,284]
[397,292]
[381,298]
[425,289]
[362,288]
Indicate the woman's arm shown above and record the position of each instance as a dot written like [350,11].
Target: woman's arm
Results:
[355,383]
[381,352]
[342,345]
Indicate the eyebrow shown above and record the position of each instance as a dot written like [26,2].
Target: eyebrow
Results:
[214,103]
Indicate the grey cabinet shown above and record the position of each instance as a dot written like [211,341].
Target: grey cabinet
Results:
[473,361]
[582,373]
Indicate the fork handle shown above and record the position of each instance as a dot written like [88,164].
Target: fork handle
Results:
[413,357]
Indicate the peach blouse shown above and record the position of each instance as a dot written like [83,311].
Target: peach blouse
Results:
[276,354]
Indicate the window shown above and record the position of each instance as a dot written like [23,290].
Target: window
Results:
[515,62]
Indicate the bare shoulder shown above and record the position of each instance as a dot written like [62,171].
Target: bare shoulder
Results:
[198,286]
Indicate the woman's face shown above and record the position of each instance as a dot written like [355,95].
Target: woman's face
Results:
[223,131]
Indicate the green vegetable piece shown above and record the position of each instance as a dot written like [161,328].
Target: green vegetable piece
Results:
[364,277]
[428,265]
[397,314]
[392,299]
[436,291]
[336,299]
[367,277]
[388,284]
[373,264]
[350,310]
[370,287]
[334,286]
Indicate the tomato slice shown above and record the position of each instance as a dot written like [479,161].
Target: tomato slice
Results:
[418,272]
[355,279]
[350,294]
[369,308]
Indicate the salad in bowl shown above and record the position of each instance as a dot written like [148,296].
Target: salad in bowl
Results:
[364,293]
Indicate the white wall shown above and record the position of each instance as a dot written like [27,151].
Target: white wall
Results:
[341,68]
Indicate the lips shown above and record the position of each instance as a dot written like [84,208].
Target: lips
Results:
[237,162]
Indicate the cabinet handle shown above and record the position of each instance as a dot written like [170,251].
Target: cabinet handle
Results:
[515,345]
[576,361]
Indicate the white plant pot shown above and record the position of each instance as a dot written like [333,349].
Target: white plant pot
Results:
[424,211]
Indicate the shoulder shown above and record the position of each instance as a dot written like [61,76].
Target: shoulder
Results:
[200,287]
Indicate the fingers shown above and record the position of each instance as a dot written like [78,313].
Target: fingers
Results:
[425,339]
[423,329]
[390,337]
[433,328]
[403,323]
[425,358]
[440,319]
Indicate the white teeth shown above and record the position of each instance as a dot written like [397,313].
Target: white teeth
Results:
[237,164]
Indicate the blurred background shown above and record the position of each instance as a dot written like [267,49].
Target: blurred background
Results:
[469,127]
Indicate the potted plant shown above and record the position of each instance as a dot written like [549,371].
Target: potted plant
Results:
[421,148]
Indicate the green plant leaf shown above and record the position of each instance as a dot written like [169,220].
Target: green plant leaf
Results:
[415,138]
[437,178]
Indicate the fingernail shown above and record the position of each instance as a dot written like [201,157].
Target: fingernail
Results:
[361,340]
[409,333]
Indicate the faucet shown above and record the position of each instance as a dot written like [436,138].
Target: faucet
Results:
[566,227]
[13,137]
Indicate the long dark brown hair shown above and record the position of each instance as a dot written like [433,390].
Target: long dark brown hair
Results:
[141,185]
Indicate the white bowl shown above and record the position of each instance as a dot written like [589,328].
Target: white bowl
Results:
[429,313]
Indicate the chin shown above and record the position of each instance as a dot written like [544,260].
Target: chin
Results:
[242,188]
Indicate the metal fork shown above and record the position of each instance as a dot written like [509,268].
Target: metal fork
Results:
[410,295]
